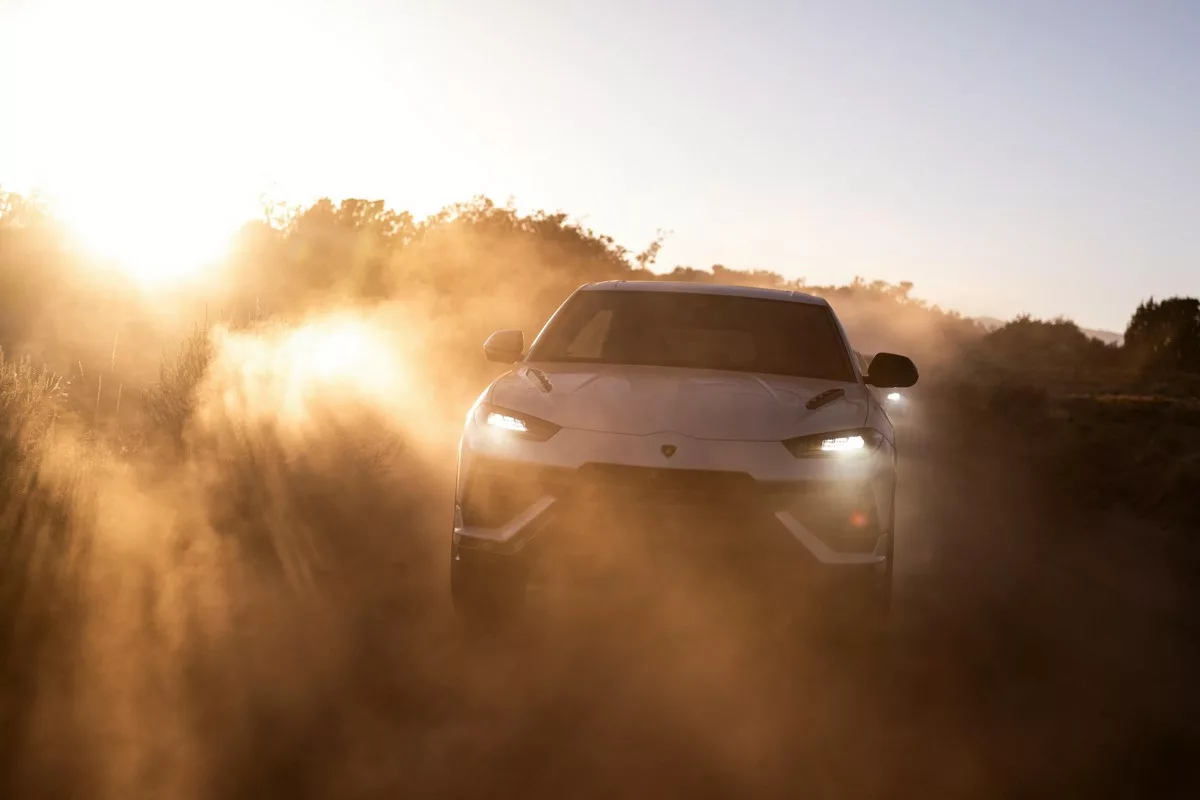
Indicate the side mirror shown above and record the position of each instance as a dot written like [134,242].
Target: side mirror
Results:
[504,346]
[890,371]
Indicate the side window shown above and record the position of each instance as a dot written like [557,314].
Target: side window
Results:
[589,342]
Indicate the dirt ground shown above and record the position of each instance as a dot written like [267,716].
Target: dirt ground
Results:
[1033,654]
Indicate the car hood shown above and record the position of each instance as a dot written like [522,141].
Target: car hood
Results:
[702,404]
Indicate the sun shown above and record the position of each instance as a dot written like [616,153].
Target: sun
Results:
[152,129]
[156,235]
[138,140]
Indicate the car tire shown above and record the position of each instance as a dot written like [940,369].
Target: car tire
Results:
[856,612]
[874,644]
[488,591]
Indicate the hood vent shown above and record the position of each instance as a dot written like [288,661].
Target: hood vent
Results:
[824,398]
[539,380]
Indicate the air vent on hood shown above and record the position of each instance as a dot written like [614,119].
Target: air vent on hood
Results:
[824,398]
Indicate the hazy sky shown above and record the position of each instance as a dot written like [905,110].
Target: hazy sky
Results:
[1004,156]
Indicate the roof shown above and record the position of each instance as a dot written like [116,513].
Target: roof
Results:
[728,290]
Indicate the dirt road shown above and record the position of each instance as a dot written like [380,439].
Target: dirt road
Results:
[1032,655]
[1019,664]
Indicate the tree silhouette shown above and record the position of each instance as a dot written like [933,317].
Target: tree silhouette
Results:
[1166,334]
[1055,343]
[476,266]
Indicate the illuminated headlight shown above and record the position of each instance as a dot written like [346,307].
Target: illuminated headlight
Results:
[843,444]
[852,443]
[507,422]
[894,397]
[504,421]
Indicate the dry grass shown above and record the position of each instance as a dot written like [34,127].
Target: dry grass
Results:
[1113,441]
[46,508]
[148,597]
[30,400]
[169,404]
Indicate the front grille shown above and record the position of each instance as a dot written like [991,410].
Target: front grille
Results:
[619,483]
[844,516]
[498,491]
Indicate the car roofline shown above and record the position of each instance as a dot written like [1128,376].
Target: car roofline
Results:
[722,289]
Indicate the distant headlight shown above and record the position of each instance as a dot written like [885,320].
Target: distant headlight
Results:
[894,397]
[504,421]
[845,444]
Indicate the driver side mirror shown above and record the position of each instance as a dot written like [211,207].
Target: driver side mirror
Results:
[891,371]
[505,347]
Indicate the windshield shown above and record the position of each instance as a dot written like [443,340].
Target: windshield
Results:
[703,331]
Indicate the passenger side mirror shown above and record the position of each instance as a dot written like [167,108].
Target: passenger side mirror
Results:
[891,371]
[505,347]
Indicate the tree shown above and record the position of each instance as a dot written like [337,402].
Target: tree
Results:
[1058,343]
[21,212]
[1166,334]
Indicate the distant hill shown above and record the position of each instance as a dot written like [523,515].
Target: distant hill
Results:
[1108,337]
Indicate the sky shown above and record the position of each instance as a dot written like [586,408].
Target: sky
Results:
[1006,157]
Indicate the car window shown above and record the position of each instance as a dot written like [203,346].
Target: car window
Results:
[589,342]
[706,331]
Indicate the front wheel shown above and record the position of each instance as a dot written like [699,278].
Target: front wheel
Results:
[856,608]
[487,590]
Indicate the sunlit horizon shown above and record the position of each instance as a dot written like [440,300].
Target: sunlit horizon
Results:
[894,142]
[150,152]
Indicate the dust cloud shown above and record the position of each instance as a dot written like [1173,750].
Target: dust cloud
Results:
[260,608]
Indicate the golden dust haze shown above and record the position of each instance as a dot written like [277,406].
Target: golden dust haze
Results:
[346,356]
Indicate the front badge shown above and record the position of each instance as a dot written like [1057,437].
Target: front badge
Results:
[668,450]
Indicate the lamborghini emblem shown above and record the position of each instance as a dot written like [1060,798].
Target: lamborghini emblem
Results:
[668,450]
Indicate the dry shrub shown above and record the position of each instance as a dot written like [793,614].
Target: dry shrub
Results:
[47,504]
[1017,401]
[168,404]
[30,398]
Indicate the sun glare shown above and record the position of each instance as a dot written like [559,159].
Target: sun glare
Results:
[154,239]
[348,351]
[151,129]
[136,148]
[289,373]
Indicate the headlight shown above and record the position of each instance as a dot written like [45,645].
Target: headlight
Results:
[894,397]
[845,444]
[504,421]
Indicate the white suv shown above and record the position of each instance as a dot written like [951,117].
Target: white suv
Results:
[738,415]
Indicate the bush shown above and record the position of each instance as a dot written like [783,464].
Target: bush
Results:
[169,403]
[1166,334]
[1017,400]
[30,399]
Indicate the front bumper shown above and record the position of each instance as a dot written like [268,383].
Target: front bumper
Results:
[504,505]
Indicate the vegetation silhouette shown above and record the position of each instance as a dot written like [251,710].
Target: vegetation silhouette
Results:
[1166,334]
